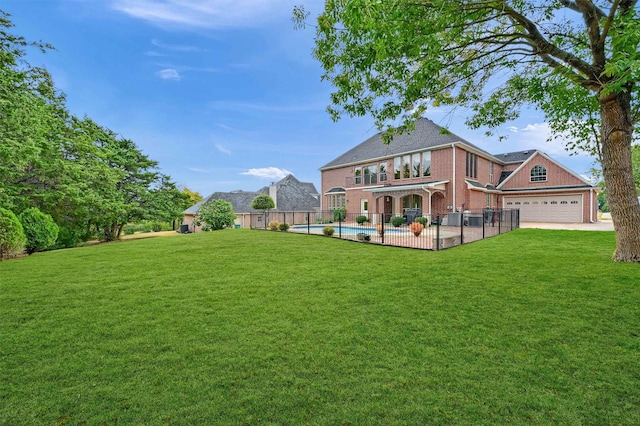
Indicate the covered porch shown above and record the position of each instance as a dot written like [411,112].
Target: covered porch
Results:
[423,199]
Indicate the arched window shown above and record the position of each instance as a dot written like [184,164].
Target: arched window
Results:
[538,174]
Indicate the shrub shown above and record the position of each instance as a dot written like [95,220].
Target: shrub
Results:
[156,226]
[215,214]
[422,220]
[339,214]
[70,237]
[129,229]
[328,231]
[39,229]
[397,221]
[12,238]
[361,219]
[273,225]
[284,226]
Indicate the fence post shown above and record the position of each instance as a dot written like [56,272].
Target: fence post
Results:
[438,232]
[382,225]
[308,222]
[461,228]
[500,214]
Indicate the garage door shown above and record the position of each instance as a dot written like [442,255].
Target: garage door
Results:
[549,208]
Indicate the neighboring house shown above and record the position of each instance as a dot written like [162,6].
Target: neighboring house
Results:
[438,173]
[289,195]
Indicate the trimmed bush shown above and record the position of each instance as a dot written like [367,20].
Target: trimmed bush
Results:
[284,226]
[397,221]
[361,219]
[39,229]
[422,220]
[12,238]
[328,231]
[273,225]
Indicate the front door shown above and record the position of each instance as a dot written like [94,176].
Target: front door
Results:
[364,207]
[388,208]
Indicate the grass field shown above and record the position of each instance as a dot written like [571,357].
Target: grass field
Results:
[251,327]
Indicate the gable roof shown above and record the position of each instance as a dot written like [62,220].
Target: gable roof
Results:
[516,157]
[427,134]
[529,160]
[291,195]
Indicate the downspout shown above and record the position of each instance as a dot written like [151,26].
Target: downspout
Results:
[591,205]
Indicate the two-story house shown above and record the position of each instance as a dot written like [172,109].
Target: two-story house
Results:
[439,172]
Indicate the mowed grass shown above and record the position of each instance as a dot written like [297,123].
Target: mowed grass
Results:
[254,327]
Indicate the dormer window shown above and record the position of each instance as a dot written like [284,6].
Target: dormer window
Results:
[538,174]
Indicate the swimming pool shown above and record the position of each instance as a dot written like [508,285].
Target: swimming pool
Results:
[347,230]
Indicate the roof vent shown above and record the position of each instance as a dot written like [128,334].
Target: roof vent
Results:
[526,152]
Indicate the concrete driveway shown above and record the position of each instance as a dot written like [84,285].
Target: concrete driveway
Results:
[601,225]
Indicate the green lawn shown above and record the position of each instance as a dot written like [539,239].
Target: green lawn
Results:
[254,327]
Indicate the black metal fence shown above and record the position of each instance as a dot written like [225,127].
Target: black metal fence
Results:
[434,232]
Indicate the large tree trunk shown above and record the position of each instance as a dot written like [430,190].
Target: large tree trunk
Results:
[617,169]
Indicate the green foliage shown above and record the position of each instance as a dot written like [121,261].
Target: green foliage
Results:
[328,231]
[39,229]
[284,226]
[397,221]
[84,175]
[215,215]
[339,214]
[262,202]
[129,229]
[361,219]
[423,220]
[12,238]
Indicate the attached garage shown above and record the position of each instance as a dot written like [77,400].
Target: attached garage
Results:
[547,208]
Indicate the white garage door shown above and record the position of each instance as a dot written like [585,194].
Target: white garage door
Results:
[547,208]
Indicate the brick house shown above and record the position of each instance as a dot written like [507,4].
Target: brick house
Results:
[288,194]
[439,173]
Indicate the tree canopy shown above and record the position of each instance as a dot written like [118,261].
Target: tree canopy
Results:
[86,177]
[576,61]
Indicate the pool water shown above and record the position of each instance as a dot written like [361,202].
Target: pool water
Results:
[347,229]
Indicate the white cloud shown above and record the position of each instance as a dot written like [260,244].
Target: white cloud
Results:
[272,173]
[169,74]
[197,170]
[177,47]
[222,149]
[206,13]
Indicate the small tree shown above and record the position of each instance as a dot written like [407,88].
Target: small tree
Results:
[39,229]
[263,202]
[12,239]
[215,214]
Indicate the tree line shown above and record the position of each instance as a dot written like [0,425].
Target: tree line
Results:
[86,177]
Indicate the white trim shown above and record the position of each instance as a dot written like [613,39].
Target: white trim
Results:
[433,185]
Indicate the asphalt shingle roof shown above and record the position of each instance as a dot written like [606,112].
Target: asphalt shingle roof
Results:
[291,194]
[427,134]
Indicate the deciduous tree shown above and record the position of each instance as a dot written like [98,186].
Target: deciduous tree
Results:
[578,61]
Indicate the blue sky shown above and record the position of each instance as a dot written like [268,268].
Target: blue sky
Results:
[224,94]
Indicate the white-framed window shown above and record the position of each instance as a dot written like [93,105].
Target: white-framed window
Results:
[370,175]
[358,175]
[383,172]
[397,167]
[538,173]
[336,201]
[426,163]
[491,172]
